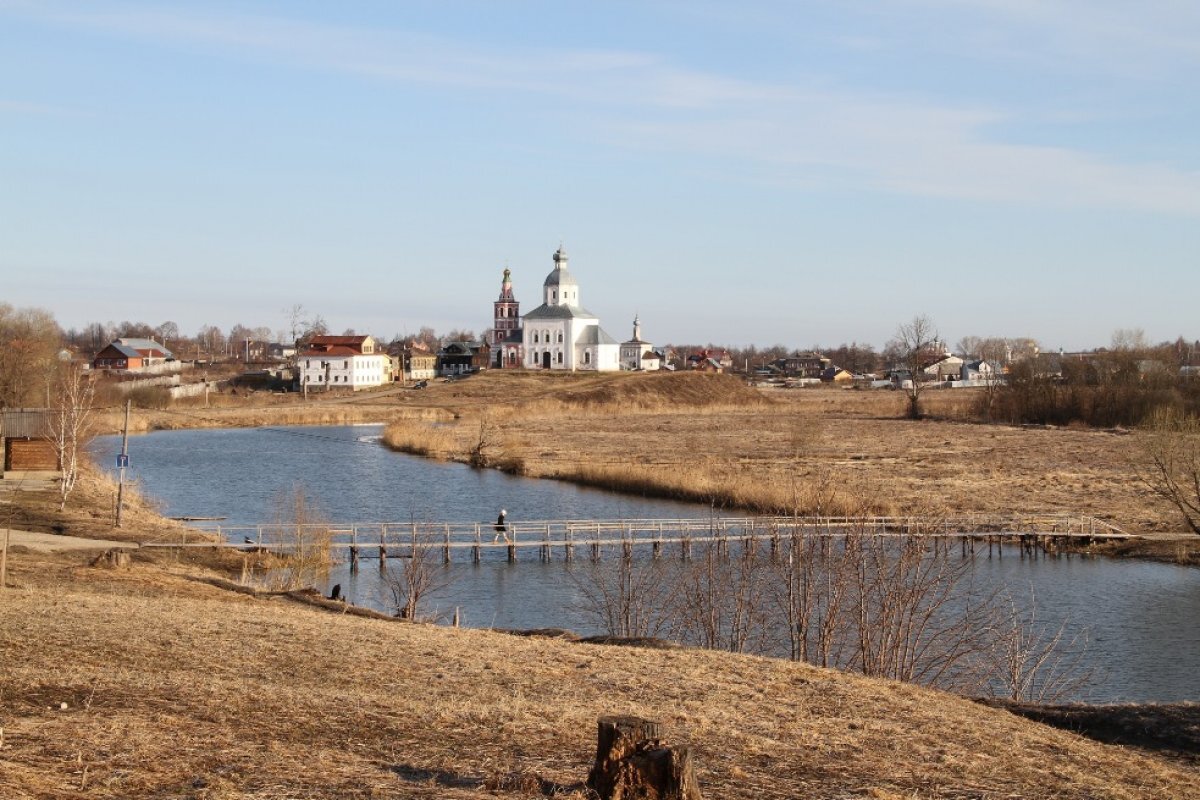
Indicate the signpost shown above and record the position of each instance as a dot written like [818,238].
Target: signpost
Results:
[122,463]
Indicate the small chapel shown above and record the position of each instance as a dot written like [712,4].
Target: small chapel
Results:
[560,333]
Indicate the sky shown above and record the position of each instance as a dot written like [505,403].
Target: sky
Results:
[756,172]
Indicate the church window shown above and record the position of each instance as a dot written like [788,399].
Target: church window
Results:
[587,356]
[560,337]
[560,357]
[535,338]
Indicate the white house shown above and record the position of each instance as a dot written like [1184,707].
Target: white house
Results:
[562,334]
[343,362]
[948,367]
[982,373]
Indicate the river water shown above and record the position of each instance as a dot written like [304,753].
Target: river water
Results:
[1140,619]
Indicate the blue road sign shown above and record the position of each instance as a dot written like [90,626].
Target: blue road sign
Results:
[122,460]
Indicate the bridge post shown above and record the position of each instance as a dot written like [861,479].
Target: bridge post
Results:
[475,550]
[353,548]
[658,541]
[569,547]
[382,546]
[596,543]
[446,545]
[545,548]
[626,543]
[512,546]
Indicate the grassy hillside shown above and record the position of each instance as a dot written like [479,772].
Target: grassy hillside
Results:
[144,683]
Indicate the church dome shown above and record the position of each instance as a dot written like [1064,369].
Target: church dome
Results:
[560,276]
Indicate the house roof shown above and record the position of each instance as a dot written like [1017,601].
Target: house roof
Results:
[650,355]
[335,350]
[144,347]
[347,341]
[119,349]
[547,311]
[25,422]
[594,334]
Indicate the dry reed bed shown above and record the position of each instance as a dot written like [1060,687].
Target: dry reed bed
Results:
[178,690]
[829,451]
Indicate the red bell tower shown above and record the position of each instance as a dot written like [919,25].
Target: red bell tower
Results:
[506,326]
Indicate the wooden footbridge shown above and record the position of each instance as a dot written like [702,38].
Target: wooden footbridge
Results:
[1046,532]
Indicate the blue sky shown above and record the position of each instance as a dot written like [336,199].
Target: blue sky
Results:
[756,172]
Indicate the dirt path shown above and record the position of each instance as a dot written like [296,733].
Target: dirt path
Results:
[54,543]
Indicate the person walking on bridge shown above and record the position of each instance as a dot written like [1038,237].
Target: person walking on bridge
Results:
[501,527]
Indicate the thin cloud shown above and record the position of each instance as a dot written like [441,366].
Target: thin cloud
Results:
[642,100]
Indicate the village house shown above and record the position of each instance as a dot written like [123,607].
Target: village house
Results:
[981,372]
[413,360]
[26,446]
[803,365]
[343,362]
[651,361]
[710,360]
[837,375]
[135,355]
[561,334]
[463,358]
[947,367]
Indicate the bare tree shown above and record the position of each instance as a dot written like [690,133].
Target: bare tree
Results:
[914,346]
[1034,663]
[722,601]
[417,577]
[70,425]
[303,538]
[1171,441]
[28,357]
[627,598]
[486,442]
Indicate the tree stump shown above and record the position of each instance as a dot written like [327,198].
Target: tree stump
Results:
[634,763]
[113,559]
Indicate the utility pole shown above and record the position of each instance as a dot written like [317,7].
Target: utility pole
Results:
[122,462]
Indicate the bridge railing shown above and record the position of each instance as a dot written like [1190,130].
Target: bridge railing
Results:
[633,532]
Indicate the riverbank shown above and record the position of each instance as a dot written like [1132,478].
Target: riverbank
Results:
[712,439]
[148,682]
[824,451]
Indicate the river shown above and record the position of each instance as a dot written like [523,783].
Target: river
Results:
[1139,618]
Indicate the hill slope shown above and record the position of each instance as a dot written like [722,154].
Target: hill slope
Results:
[173,688]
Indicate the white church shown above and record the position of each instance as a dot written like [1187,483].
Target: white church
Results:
[562,334]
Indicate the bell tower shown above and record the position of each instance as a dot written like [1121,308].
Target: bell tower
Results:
[506,321]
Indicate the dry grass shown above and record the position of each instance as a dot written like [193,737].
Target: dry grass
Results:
[175,689]
[710,439]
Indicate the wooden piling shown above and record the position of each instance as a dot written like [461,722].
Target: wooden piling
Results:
[353,549]
[476,549]
[446,545]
